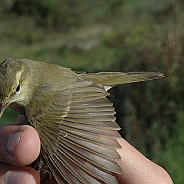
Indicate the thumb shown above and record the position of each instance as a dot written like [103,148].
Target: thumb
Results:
[19,144]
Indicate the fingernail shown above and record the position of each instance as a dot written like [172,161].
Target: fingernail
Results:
[12,177]
[13,141]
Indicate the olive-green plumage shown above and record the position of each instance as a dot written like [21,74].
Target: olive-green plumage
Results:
[72,115]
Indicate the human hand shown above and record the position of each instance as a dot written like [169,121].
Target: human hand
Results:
[19,146]
[136,168]
[16,153]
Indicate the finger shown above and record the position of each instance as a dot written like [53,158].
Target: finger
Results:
[20,144]
[20,175]
[136,168]
[21,120]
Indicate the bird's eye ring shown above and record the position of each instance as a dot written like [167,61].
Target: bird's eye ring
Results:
[18,88]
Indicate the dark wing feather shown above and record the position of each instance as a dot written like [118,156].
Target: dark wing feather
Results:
[78,133]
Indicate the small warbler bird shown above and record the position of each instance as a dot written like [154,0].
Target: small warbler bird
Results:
[73,117]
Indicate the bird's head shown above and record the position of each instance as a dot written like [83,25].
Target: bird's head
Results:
[14,81]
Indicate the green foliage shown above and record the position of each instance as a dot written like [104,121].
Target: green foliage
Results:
[174,151]
[52,15]
[9,116]
[113,36]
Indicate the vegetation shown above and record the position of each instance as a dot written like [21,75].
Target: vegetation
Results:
[118,35]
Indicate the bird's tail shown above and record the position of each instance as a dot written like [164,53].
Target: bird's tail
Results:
[114,78]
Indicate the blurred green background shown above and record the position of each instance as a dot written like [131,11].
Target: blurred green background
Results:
[113,35]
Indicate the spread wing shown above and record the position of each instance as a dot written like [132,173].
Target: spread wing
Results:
[78,133]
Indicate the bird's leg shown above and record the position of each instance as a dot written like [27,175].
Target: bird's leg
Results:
[40,166]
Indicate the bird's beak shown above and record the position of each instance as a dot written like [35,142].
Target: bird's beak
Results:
[2,108]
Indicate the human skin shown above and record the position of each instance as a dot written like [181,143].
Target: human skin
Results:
[15,158]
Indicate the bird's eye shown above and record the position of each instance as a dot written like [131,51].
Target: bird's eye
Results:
[18,88]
